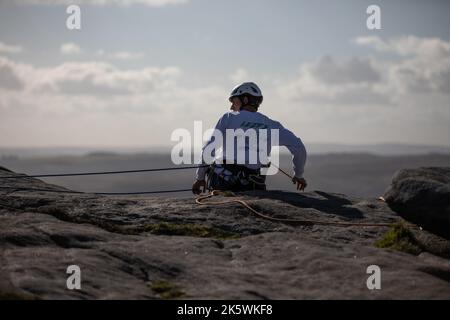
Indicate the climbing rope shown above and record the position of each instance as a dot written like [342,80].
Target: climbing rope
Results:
[14,189]
[200,200]
[98,172]
[282,171]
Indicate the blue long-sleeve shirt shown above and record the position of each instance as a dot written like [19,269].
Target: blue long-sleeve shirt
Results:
[246,120]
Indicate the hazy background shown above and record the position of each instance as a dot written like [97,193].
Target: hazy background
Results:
[351,173]
[139,69]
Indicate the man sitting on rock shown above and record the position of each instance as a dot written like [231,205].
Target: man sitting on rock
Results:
[227,174]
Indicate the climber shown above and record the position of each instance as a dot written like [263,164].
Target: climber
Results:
[229,174]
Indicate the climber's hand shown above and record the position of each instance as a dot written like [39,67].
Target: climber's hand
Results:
[301,183]
[198,184]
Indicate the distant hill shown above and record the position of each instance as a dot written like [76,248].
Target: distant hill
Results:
[378,149]
[312,148]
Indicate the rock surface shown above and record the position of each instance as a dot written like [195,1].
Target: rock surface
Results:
[423,196]
[135,247]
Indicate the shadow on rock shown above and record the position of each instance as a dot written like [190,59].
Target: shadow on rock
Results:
[324,202]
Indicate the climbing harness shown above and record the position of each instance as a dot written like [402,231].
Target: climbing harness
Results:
[234,177]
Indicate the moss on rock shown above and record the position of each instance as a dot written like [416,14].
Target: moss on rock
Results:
[167,290]
[400,238]
[189,229]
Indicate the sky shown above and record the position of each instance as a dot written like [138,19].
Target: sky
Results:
[140,69]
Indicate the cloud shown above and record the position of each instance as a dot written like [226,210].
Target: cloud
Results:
[418,66]
[70,48]
[95,79]
[425,63]
[101,78]
[408,46]
[355,81]
[101,86]
[240,75]
[151,3]
[126,55]
[73,49]
[355,70]
[4,48]
[8,77]
[121,55]
[97,103]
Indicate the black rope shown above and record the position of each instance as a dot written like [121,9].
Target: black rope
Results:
[100,172]
[14,189]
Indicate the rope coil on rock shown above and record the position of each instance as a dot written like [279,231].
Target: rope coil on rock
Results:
[213,193]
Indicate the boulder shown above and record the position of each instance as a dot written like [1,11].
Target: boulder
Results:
[422,196]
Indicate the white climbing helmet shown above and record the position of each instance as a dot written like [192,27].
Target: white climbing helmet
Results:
[249,88]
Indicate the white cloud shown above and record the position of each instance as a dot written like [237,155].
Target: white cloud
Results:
[373,41]
[151,3]
[240,75]
[97,103]
[408,45]
[126,55]
[102,87]
[70,48]
[421,66]
[352,82]
[121,55]
[100,78]
[425,63]
[85,78]
[8,76]
[4,48]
